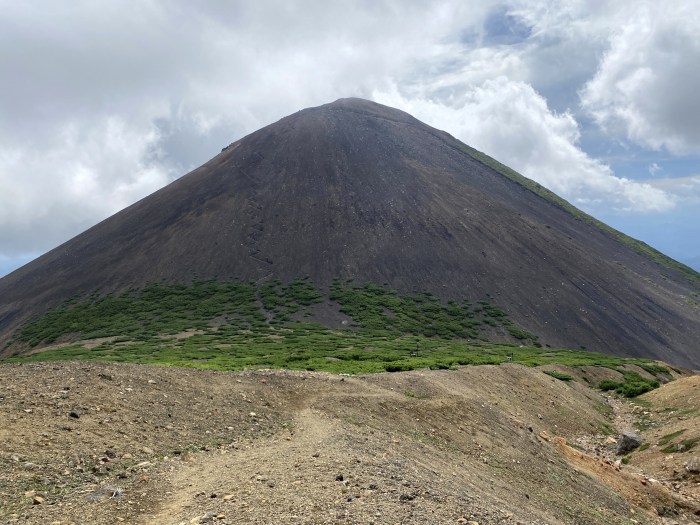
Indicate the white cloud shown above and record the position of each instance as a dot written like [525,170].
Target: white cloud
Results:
[686,190]
[655,169]
[511,122]
[647,85]
[102,104]
[85,173]
[106,102]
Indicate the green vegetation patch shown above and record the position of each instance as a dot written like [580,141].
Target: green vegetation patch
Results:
[169,309]
[664,440]
[237,325]
[379,310]
[559,375]
[632,384]
[654,369]
[683,446]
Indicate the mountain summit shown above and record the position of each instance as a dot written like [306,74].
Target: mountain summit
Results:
[357,190]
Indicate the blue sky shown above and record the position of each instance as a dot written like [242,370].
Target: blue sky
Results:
[103,103]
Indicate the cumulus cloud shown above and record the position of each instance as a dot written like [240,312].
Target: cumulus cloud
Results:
[511,122]
[83,173]
[102,103]
[647,84]
[686,190]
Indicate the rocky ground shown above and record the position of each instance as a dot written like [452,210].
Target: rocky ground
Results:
[106,443]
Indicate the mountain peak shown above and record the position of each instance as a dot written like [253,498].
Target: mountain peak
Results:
[358,190]
[366,107]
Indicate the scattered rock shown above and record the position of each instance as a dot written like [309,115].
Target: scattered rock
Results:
[37,500]
[628,442]
[147,450]
[339,477]
[74,414]
[693,465]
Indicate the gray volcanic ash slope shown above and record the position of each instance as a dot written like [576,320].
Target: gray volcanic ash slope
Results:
[357,190]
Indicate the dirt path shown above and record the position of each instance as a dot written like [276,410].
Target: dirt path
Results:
[237,481]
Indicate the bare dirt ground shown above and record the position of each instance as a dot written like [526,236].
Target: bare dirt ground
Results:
[105,443]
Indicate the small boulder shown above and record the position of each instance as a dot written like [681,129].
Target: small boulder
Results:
[693,465]
[628,442]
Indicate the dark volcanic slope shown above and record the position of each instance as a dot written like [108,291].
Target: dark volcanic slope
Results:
[358,190]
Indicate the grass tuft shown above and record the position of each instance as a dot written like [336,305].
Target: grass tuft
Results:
[632,384]
[559,375]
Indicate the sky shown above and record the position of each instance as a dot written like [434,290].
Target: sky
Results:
[102,103]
